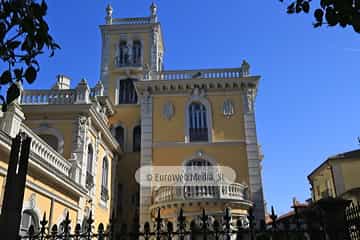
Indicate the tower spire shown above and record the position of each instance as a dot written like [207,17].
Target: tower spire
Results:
[153,11]
[108,16]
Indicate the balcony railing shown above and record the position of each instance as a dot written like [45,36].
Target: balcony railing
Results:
[46,153]
[131,62]
[48,96]
[136,20]
[234,191]
[200,73]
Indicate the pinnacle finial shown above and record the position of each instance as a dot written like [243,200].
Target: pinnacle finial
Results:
[153,9]
[109,11]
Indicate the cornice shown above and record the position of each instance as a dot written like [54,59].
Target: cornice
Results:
[181,86]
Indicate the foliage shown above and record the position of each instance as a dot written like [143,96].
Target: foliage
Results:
[23,35]
[331,12]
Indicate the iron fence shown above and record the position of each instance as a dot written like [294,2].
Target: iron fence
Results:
[296,227]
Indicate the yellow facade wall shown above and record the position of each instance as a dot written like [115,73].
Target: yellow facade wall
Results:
[350,172]
[173,130]
[323,183]
[233,156]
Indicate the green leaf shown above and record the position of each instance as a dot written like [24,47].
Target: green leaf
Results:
[14,44]
[306,7]
[13,92]
[30,74]
[5,77]
[18,73]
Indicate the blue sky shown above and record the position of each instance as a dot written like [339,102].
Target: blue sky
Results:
[308,96]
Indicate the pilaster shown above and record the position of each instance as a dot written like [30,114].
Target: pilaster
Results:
[253,154]
[146,154]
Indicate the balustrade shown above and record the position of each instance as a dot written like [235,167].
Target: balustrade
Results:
[48,96]
[235,191]
[46,153]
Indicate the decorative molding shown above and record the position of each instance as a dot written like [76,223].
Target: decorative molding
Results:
[228,109]
[200,155]
[168,110]
[191,144]
[208,84]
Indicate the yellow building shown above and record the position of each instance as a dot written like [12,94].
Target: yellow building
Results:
[88,143]
[177,118]
[338,176]
[72,153]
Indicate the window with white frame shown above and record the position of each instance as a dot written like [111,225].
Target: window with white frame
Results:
[198,125]
[136,52]
[137,139]
[120,136]
[127,93]
[124,57]
[104,180]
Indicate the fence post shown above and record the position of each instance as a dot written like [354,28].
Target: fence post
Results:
[10,217]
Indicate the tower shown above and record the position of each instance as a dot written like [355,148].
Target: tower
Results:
[197,117]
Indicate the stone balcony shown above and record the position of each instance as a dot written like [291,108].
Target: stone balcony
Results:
[168,195]
[48,156]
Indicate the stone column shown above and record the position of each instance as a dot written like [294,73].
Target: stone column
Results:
[79,152]
[253,155]
[10,121]
[105,62]
[146,154]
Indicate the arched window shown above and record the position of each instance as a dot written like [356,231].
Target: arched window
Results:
[198,125]
[127,93]
[136,52]
[123,54]
[137,139]
[104,180]
[51,140]
[28,219]
[89,167]
[199,190]
[119,136]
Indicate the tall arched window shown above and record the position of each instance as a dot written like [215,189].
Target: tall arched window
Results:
[137,139]
[198,125]
[123,54]
[136,52]
[28,219]
[104,180]
[89,167]
[119,136]
[127,93]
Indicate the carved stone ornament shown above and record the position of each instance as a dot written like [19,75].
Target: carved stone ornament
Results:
[228,109]
[168,111]
[32,201]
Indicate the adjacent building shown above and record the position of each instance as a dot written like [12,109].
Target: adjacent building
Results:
[338,176]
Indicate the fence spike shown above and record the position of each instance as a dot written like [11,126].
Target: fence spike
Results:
[54,231]
[43,224]
[101,231]
[77,230]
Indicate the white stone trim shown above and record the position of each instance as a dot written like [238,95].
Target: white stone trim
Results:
[206,103]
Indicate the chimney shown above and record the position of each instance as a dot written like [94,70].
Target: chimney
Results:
[62,82]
